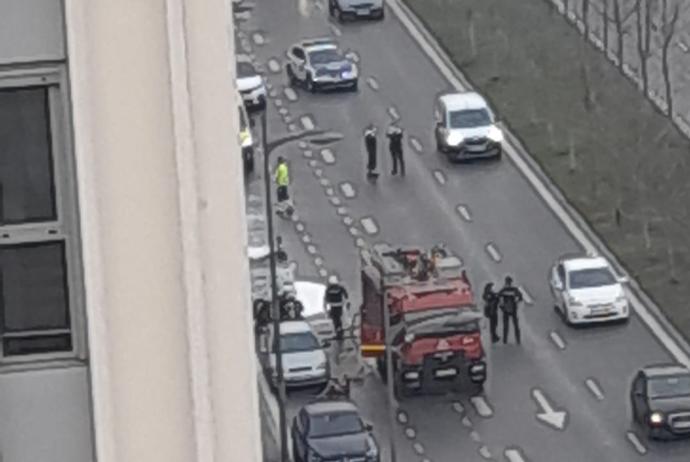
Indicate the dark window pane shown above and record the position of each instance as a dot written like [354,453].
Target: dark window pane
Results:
[26,171]
[33,287]
[36,344]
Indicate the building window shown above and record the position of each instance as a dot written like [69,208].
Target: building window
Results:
[40,267]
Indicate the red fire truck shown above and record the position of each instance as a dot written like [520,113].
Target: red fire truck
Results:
[435,325]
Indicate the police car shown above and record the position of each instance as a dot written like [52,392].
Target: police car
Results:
[318,64]
[586,290]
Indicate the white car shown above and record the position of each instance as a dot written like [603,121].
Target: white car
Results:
[305,362]
[586,290]
[318,64]
[466,128]
[250,83]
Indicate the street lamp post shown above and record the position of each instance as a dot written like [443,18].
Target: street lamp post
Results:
[275,307]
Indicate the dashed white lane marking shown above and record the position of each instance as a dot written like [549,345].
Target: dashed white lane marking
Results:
[269,85]
[635,441]
[246,46]
[243,15]
[308,154]
[416,145]
[354,231]
[325,182]
[278,102]
[369,225]
[393,113]
[526,296]
[311,249]
[306,239]
[295,217]
[360,243]
[371,81]
[348,221]
[258,38]
[481,406]
[318,261]
[464,212]
[475,436]
[410,432]
[557,340]
[336,201]
[418,448]
[323,273]
[466,421]
[288,119]
[342,211]
[273,65]
[353,56]
[318,172]
[594,388]
[299,227]
[348,190]
[290,94]
[683,46]
[330,192]
[307,122]
[328,156]
[336,31]
[283,111]
[272,93]
[493,252]
[292,127]
[402,417]
[313,163]
[458,407]
[440,177]
[484,452]
[513,455]
[302,144]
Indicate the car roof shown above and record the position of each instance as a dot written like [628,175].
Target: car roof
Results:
[662,370]
[294,327]
[580,263]
[328,407]
[463,101]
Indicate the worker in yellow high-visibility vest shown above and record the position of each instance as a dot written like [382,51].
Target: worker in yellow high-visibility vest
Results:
[282,178]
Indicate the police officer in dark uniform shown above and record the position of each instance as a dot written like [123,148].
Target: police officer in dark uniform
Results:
[370,145]
[290,308]
[490,298]
[262,314]
[395,136]
[509,298]
[335,299]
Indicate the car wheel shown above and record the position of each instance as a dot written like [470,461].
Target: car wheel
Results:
[331,10]
[354,86]
[292,79]
[311,87]
[381,367]
[341,15]
[249,165]
[381,15]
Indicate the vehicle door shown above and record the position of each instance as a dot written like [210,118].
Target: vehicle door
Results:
[639,397]
[300,430]
[265,344]
[557,284]
[299,61]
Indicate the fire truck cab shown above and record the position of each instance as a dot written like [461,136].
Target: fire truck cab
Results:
[434,324]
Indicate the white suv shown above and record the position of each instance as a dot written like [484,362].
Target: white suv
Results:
[586,290]
[318,64]
[466,128]
[250,83]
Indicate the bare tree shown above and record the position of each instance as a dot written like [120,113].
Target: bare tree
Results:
[621,30]
[668,30]
[605,31]
[644,39]
[585,17]
[471,33]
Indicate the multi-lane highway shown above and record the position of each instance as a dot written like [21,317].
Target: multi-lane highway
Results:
[560,396]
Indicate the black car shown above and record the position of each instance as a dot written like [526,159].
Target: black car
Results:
[660,400]
[356,9]
[332,430]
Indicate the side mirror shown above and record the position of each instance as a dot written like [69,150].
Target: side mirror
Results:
[325,343]
[369,427]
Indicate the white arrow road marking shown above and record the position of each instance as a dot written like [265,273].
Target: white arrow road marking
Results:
[410,432]
[594,388]
[635,441]
[484,452]
[440,177]
[290,94]
[393,113]
[336,31]
[328,156]
[273,65]
[464,212]
[526,296]
[307,122]
[416,145]
[348,190]
[557,340]
[373,83]
[493,252]
[548,414]
[258,38]
[513,455]
[481,406]
[369,225]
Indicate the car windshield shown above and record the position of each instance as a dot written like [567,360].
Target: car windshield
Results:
[470,118]
[334,424]
[245,70]
[448,321]
[302,341]
[669,387]
[593,277]
[325,56]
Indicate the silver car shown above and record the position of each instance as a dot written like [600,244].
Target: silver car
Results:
[318,64]
[356,9]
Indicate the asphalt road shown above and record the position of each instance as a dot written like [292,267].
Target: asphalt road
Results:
[487,213]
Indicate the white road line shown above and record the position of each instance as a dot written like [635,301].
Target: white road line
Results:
[347,221]
[342,211]
[307,122]
[464,212]
[466,421]
[272,93]
[369,225]
[330,191]
[306,239]
[269,85]
[278,102]
[683,46]
[323,273]
[348,190]
[328,156]
[440,177]
[325,182]
[336,201]
[526,296]
[318,172]
[593,387]
[402,417]
[299,227]
[416,145]
[371,81]
[354,231]
[482,406]
[288,119]
[243,15]
[458,407]
[318,261]
[273,65]
[313,163]
[336,31]
[513,455]
[290,94]
[557,340]
[393,113]
[475,436]
[360,243]
[311,249]
[418,448]
[295,217]
[410,432]
[635,441]
[308,154]
[493,252]
[302,144]
[292,127]
[484,452]
[258,38]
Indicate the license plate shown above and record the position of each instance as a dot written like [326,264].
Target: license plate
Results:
[363,12]
[446,372]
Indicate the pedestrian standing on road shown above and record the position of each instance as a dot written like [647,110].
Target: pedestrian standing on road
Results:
[370,145]
[509,299]
[490,298]
[334,299]
[395,137]
[282,179]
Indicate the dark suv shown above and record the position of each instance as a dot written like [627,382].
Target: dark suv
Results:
[356,9]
